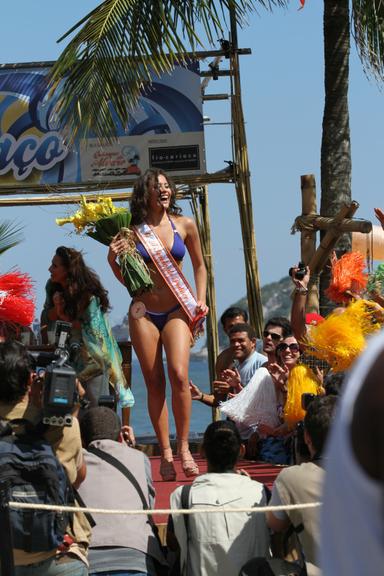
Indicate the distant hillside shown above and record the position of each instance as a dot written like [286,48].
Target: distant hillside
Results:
[276,301]
[121,331]
[275,297]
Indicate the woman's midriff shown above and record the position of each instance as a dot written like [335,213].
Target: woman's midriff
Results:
[160,298]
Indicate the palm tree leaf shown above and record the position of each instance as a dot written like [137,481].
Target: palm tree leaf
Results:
[10,235]
[120,45]
[368,32]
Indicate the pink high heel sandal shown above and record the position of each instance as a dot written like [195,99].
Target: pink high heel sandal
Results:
[188,464]
[167,467]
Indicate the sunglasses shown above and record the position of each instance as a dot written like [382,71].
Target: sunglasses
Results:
[293,347]
[275,337]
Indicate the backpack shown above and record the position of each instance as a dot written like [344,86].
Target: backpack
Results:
[36,476]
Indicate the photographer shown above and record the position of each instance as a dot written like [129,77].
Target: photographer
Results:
[303,484]
[20,399]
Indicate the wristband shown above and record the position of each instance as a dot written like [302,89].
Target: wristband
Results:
[202,397]
[301,290]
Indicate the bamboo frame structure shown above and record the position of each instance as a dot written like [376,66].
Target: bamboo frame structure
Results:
[308,237]
[201,213]
[243,189]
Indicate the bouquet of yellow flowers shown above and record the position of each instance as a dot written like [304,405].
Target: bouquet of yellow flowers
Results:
[102,220]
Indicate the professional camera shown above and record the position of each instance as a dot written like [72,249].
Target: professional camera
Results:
[60,392]
[300,272]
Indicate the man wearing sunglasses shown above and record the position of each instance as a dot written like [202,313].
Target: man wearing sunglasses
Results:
[246,359]
[276,329]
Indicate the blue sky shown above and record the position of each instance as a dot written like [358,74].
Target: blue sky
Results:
[283,97]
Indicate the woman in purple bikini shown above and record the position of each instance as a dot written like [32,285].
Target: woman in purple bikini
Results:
[166,316]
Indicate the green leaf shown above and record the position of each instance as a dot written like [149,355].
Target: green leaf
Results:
[10,235]
[120,44]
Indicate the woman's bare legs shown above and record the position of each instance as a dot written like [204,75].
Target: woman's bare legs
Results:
[146,342]
[176,338]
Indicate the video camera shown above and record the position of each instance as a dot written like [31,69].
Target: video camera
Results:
[60,391]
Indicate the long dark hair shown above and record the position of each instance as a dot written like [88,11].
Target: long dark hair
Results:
[82,283]
[140,195]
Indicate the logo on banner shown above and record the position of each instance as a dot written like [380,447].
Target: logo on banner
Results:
[29,152]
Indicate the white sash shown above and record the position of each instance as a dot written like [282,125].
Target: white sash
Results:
[172,275]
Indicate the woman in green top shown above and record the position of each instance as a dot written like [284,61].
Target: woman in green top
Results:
[76,295]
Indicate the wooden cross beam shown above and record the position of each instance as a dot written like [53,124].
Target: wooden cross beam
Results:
[310,222]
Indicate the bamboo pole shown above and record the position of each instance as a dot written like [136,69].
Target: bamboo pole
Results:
[243,188]
[308,238]
[204,227]
[200,55]
[52,192]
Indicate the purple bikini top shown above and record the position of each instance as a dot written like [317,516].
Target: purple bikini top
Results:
[177,250]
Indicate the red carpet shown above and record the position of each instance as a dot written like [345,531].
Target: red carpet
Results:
[260,471]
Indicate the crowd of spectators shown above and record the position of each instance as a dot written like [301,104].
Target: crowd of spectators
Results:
[276,407]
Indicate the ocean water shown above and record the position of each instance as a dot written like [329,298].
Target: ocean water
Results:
[201,414]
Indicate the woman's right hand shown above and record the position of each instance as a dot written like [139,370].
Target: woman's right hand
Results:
[117,247]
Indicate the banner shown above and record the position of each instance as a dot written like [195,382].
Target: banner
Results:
[164,131]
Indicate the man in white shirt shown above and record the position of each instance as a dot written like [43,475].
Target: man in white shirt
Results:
[221,543]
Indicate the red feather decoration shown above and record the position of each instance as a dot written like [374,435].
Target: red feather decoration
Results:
[16,298]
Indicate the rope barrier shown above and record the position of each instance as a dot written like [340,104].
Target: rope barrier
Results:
[218,510]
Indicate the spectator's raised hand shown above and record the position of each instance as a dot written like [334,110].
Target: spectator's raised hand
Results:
[279,375]
[301,282]
[232,377]
[196,393]
[221,387]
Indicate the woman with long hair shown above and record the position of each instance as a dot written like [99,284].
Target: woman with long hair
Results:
[76,295]
[165,317]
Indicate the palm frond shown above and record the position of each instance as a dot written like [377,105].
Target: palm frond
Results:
[10,235]
[368,32]
[121,44]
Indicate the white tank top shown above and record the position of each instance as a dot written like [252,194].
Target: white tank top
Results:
[352,519]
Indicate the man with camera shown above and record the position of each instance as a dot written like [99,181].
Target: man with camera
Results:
[21,427]
[303,484]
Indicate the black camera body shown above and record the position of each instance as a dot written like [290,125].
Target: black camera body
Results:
[300,273]
[60,393]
